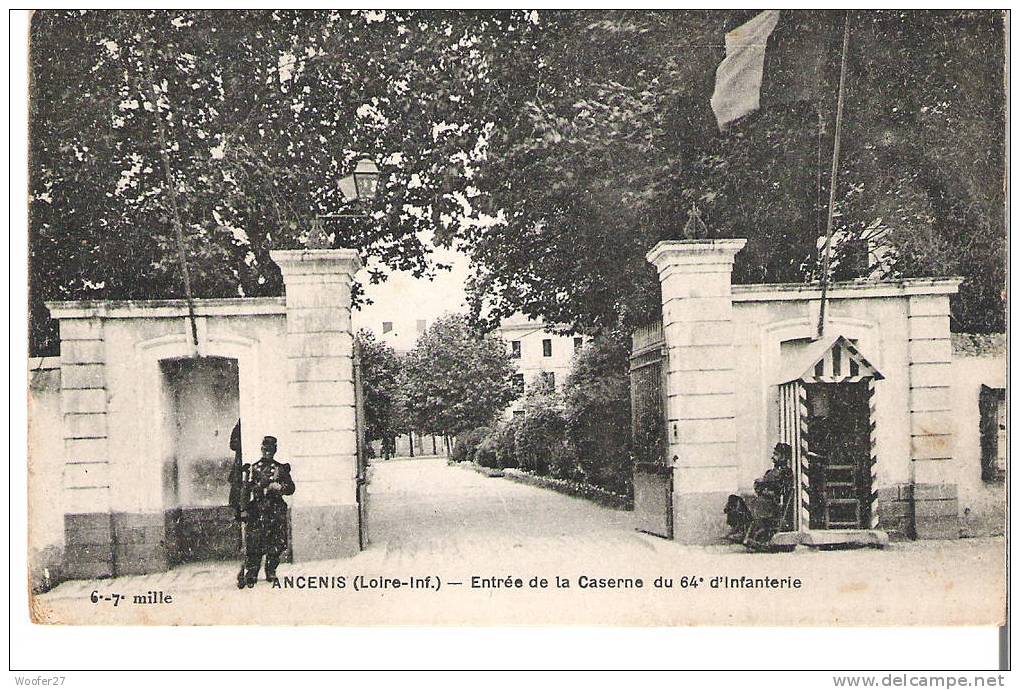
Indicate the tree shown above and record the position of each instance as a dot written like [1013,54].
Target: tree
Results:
[380,381]
[597,414]
[456,380]
[539,436]
[580,434]
[556,148]
[240,124]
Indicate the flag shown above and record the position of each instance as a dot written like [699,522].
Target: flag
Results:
[739,76]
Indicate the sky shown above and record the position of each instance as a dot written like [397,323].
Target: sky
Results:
[404,299]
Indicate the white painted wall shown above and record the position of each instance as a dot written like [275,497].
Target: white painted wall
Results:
[138,444]
[982,504]
[46,454]
[879,325]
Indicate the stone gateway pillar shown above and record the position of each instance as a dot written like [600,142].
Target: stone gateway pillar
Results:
[320,442]
[697,320]
[932,427]
[89,543]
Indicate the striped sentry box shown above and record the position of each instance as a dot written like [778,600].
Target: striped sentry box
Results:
[873,486]
[805,459]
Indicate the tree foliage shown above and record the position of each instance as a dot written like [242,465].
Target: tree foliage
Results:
[456,380]
[609,141]
[380,381]
[556,148]
[596,410]
[580,433]
[263,112]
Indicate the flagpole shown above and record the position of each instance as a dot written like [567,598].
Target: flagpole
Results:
[827,249]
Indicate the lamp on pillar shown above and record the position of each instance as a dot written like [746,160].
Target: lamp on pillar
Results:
[322,438]
[366,179]
[362,185]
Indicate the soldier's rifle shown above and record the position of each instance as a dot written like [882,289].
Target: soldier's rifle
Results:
[239,481]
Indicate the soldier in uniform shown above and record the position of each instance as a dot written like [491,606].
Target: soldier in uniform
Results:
[264,513]
[756,518]
[777,483]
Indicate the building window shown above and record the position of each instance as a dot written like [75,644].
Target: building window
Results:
[515,349]
[519,384]
[992,406]
[421,325]
[547,347]
[548,380]
[387,326]
[578,344]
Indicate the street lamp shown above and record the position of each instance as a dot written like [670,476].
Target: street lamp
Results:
[362,185]
[366,179]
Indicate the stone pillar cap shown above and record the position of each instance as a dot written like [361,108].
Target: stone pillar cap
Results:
[305,261]
[723,248]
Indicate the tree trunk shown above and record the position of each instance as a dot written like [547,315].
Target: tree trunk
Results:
[434,445]
[171,192]
[410,437]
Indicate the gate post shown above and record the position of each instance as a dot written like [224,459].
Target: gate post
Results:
[697,317]
[89,541]
[932,427]
[321,443]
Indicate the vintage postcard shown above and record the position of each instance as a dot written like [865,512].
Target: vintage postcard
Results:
[398,317]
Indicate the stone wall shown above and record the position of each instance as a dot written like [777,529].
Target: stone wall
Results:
[697,320]
[45,473]
[120,513]
[294,363]
[725,349]
[88,523]
[978,360]
[320,391]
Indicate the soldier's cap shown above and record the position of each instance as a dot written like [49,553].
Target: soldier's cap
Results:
[785,451]
[269,441]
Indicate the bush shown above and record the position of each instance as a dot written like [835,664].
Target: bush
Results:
[582,435]
[539,436]
[597,415]
[485,453]
[565,463]
[466,444]
[506,445]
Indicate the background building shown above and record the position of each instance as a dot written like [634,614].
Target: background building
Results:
[399,331]
[540,354]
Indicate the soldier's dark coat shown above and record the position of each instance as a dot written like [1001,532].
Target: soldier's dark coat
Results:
[267,513]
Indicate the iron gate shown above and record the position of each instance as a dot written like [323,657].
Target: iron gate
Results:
[653,475]
[362,449]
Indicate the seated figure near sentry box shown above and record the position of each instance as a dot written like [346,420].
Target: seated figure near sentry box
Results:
[755,518]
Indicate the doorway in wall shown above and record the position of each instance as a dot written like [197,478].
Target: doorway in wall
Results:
[201,407]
